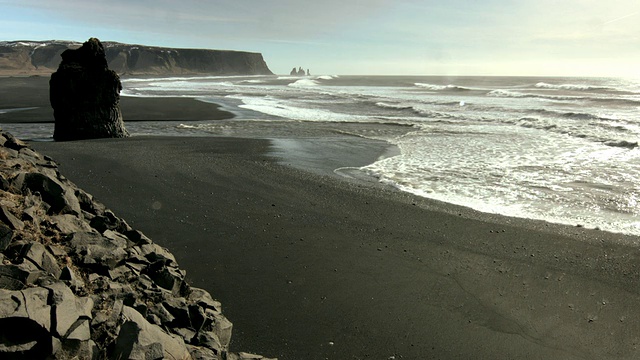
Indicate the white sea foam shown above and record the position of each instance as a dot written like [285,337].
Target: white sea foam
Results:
[304,83]
[430,86]
[575,87]
[515,148]
[288,110]
[393,106]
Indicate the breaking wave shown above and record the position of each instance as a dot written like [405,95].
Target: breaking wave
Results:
[449,87]
[304,83]
[574,87]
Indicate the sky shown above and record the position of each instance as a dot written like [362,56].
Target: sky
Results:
[372,37]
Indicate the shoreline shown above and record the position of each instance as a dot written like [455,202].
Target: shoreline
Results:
[32,94]
[313,266]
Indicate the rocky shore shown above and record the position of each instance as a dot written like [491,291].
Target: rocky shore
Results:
[77,281]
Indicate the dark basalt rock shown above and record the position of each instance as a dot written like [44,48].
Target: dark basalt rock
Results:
[77,282]
[85,95]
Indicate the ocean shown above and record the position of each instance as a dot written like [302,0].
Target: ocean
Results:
[563,150]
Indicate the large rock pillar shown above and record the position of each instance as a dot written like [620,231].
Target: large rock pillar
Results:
[85,95]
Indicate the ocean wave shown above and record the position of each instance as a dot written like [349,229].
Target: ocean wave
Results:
[574,87]
[393,106]
[422,112]
[252,81]
[304,83]
[430,86]
[606,135]
[572,115]
[287,77]
[449,87]
[326,77]
[516,94]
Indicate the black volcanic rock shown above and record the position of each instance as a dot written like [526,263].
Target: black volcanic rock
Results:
[85,95]
[75,288]
[42,57]
[299,72]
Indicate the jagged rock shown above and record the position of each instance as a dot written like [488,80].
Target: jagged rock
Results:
[120,272]
[12,142]
[186,334]
[88,204]
[97,251]
[4,184]
[210,340]
[202,353]
[53,192]
[138,339]
[223,328]
[122,292]
[137,237]
[179,309]
[198,317]
[204,299]
[155,252]
[168,278]
[69,224]
[109,221]
[8,218]
[17,277]
[47,310]
[85,95]
[162,314]
[246,356]
[25,322]
[37,254]
[6,234]
[72,314]
[70,278]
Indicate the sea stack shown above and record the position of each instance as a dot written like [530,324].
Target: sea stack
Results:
[85,95]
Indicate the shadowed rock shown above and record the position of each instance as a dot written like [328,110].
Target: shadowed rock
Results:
[85,95]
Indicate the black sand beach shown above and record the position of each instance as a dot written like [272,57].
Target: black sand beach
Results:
[32,94]
[309,265]
[312,266]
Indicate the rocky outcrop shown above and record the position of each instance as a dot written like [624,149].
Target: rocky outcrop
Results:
[299,72]
[43,57]
[85,95]
[76,281]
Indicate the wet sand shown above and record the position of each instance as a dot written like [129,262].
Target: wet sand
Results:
[309,265]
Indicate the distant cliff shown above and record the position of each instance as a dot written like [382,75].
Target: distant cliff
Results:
[43,57]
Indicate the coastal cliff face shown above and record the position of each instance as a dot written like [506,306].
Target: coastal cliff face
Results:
[43,57]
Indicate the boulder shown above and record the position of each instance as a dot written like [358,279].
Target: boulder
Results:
[53,192]
[139,339]
[6,234]
[37,254]
[8,218]
[85,95]
[96,251]
[25,321]
[72,314]
[17,277]
[69,224]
